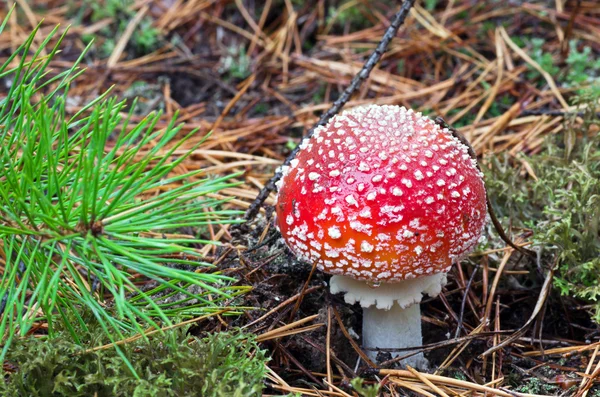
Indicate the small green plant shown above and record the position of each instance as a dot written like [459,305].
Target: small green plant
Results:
[430,4]
[173,364]
[261,108]
[544,59]
[536,386]
[319,94]
[561,206]
[290,144]
[466,119]
[145,39]
[235,64]
[88,207]
[581,67]
[345,13]
[364,391]
[500,106]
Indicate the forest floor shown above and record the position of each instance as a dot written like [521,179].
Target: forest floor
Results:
[258,74]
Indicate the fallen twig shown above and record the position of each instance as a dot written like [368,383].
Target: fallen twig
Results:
[337,105]
[545,291]
[492,214]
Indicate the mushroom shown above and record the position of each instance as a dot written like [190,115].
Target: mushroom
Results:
[386,200]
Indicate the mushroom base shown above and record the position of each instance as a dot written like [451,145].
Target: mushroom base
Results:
[391,314]
[396,328]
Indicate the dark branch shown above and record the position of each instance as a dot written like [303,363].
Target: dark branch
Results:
[545,291]
[549,112]
[339,103]
[460,326]
[493,217]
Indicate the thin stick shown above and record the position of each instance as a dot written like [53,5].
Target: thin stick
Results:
[588,369]
[290,332]
[304,287]
[453,382]
[545,291]
[492,214]
[328,348]
[339,104]
[299,365]
[286,327]
[333,388]
[426,381]
[233,101]
[152,332]
[536,66]
[282,305]
[411,386]
[589,382]
[120,47]
[497,277]
[551,112]
[355,345]
[464,302]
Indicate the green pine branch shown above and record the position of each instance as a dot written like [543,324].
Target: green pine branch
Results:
[86,206]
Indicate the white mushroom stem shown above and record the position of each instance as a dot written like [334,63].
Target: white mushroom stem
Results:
[396,328]
[391,312]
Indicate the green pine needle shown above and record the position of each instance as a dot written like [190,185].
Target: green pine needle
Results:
[81,198]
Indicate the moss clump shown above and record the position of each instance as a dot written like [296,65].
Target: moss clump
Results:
[537,386]
[175,364]
[562,206]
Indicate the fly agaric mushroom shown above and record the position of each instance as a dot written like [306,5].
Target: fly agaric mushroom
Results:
[386,200]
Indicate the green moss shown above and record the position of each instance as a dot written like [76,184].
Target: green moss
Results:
[562,206]
[536,386]
[174,364]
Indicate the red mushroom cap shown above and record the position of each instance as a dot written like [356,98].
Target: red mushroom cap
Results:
[382,194]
